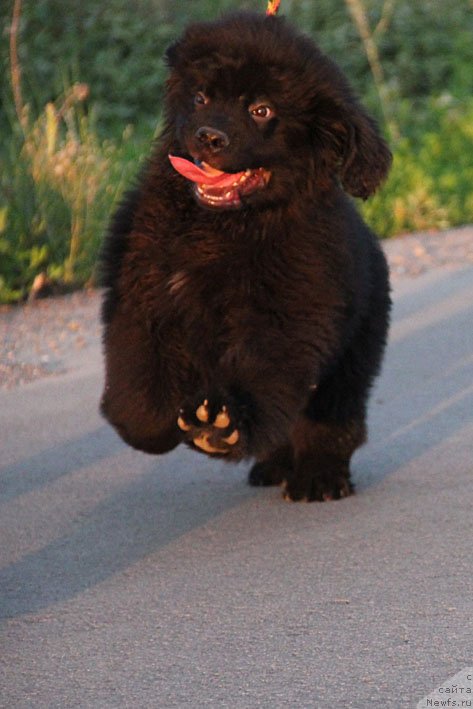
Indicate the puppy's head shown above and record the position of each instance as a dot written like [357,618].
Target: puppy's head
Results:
[249,98]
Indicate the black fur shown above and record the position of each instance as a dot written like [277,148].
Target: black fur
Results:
[277,310]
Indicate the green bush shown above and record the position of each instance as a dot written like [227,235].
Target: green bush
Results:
[429,186]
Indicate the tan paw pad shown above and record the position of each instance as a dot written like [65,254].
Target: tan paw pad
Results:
[202,442]
[232,438]
[222,419]
[202,412]
[182,424]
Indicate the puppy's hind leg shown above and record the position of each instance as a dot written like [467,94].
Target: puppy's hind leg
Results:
[333,424]
[322,453]
[273,470]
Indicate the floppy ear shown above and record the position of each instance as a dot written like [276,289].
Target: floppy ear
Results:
[366,157]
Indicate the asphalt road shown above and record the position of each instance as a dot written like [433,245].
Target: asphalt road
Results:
[133,581]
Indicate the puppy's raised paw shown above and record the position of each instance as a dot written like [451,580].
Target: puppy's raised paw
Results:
[209,427]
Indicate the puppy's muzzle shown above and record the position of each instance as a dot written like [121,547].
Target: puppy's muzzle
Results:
[212,139]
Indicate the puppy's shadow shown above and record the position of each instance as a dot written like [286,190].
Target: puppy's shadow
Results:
[167,498]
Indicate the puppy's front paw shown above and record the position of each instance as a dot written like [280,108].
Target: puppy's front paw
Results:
[210,427]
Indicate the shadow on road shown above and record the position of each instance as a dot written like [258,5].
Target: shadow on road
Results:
[53,463]
[165,501]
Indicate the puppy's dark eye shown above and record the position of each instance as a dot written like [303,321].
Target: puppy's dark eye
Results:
[261,112]
[200,99]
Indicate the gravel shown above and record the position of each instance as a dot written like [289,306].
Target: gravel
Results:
[49,336]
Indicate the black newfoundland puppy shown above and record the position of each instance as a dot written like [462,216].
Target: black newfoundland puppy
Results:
[246,303]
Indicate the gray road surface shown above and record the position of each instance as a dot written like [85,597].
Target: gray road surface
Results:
[133,581]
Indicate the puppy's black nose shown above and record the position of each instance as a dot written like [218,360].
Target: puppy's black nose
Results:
[211,138]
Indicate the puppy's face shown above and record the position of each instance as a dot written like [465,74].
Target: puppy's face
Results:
[229,114]
[250,98]
[232,134]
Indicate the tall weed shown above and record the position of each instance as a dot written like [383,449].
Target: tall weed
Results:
[59,182]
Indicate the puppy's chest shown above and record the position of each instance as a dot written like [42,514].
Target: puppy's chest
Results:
[214,290]
[226,300]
